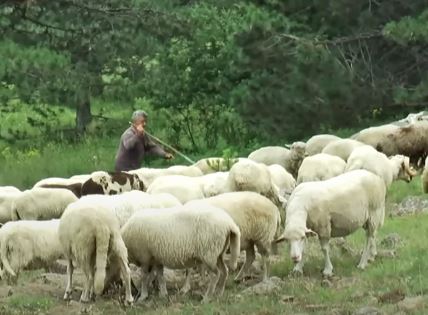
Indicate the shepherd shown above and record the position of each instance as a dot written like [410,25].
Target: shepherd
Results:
[135,143]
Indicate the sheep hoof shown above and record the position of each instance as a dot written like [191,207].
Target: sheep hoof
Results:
[85,308]
[129,302]
[327,275]
[362,266]
[67,296]
[185,289]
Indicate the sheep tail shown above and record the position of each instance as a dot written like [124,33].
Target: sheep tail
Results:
[102,240]
[4,259]
[235,246]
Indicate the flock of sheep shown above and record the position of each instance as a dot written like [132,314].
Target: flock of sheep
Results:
[183,217]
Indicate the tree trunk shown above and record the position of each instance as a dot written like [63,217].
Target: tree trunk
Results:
[83,116]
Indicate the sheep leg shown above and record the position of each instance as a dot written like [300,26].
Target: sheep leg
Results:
[224,272]
[203,274]
[264,250]
[147,276]
[125,273]
[328,267]
[186,287]
[163,292]
[91,292]
[250,256]
[69,289]
[213,281]
[373,249]
[365,254]
[84,298]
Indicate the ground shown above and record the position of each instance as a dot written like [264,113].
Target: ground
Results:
[396,283]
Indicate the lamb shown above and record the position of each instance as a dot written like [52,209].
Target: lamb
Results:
[424,177]
[394,168]
[258,220]
[282,179]
[410,140]
[289,159]
[342,148]
[41,203]
[111,183]
[148,175]
[320,166]
[247,175]
[90,236]
[335,208]
[216,164]
[126,204]
[317,143]
[182,237]
[184,188]
[8,189]
[28,244]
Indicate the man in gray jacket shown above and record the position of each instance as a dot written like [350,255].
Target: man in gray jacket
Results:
[135,144]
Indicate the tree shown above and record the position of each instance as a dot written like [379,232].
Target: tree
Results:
[91,37]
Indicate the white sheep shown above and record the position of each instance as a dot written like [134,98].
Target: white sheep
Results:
[342,148]
[216,164]
[270,155]
[376,136]
[41,203]
[258,220]
[6,203]
[424,177]
[188,188]
[8,189]
[90,236]
[184,188]
[181,237]
[282,179]
[317,143]
[247,175]
[320,166]
[61,181]
[28,244]
[289,159]
[213,184]
[148,175]
[126,204]
[389,169]
[335,208]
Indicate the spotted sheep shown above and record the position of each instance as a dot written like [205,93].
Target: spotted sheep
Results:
[111,183]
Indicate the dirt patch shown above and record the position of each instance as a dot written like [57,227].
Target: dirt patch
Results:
[409,206]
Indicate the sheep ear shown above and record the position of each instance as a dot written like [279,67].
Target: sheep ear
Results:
[280,239]
[310,233]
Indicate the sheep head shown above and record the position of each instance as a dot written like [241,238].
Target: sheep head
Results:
[405,171]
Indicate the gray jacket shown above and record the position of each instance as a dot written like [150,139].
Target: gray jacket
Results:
[133,148]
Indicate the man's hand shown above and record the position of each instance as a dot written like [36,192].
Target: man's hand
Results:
[169,156]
